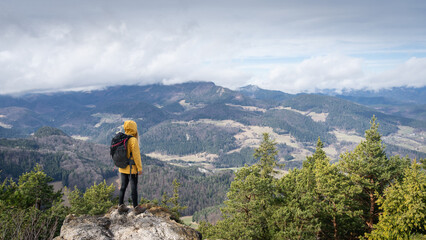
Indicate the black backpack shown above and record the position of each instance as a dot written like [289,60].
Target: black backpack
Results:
[118,150]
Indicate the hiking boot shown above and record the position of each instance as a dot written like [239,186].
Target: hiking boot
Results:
[122,209]
[138,209]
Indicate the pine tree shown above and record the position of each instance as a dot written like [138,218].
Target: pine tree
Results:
[96,200]
[316,202]
[33,189]
[30,209]
[251,199]
[370,168]
[297,214]
[174,200]
[404,207]
[266,153]
[338,211]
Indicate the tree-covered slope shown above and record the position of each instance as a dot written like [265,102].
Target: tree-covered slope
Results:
[81,163]
[295,120]
[74,162]
[348,115]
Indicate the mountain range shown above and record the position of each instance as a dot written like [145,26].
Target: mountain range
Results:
[200,122]
[193,132]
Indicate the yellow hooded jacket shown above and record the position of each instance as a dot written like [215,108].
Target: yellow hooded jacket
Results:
[130,128]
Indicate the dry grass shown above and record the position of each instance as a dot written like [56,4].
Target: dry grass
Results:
[409,138]
[317,117]
[251,136]
[347,136]
[331,151]
[189,106]
[301,154]
[4,125]
[187,220]
[248,108]
[108,118]
[78,137]
[199,157]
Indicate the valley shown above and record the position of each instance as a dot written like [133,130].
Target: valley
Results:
[196,132]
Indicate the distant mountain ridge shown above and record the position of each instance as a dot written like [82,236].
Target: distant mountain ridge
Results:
[200,122]
[193,131]
[262,94]
[395,94]
[399,101]
[407,102]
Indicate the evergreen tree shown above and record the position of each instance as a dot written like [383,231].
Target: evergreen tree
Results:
[175,206]
[30,209]
[338,211]
[404,207]
[370,168]
[297,214]
[33,190]
[251,199]
[97,199]
[174,200]
[423,163]
[266,155]
[323,200]
[316,202]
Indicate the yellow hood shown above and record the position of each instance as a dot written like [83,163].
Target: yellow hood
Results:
[130,128]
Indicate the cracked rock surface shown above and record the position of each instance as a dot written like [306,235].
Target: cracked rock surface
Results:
[153,224]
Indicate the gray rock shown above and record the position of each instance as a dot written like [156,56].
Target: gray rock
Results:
[151,225]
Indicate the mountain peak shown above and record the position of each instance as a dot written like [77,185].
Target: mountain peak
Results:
[49,131]
[256,92]
[249,88]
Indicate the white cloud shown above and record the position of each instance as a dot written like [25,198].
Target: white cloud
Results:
[70,56]
[342,72]
[287,45]
[331,71]
[412,73]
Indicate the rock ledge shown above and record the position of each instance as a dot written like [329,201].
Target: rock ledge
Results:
[155,223]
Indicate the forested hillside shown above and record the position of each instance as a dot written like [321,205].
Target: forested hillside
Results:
[367,194]
[73,162]
[198,130]
[189,121]
[199,188]
[399,101]
[79,163]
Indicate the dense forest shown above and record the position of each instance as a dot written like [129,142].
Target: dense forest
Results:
[189,138]
[198,189]
[187,120]
[365,195]
[62,158]
[78,163]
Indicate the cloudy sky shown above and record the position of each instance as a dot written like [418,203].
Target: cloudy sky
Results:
[292,46]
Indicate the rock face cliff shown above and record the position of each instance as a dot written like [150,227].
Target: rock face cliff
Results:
[154,224]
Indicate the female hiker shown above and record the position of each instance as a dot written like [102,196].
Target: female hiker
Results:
[133,153]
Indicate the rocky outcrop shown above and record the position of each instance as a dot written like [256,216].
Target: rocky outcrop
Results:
[155,223]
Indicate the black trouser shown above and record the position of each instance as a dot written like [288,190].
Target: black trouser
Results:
[133,184]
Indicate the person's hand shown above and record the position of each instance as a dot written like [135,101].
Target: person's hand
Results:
[140,172]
